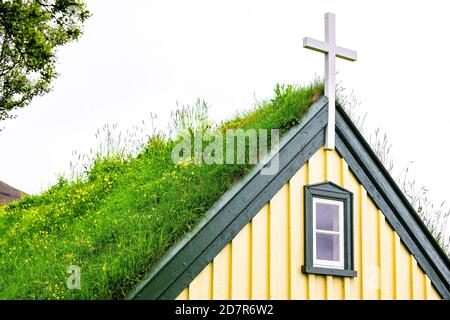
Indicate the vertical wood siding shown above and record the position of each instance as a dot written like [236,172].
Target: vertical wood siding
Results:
[264,260]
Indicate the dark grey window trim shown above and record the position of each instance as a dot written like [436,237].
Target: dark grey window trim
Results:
[330,191]
[329,271]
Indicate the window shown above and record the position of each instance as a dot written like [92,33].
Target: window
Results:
[328,240]
[328,230]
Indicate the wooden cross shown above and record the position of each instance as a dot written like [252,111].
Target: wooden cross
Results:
[331,52]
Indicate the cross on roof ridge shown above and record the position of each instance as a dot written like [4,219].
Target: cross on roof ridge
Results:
[331,51]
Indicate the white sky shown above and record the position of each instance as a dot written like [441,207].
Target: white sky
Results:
[138,57]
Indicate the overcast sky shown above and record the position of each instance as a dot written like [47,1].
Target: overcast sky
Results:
[139,57]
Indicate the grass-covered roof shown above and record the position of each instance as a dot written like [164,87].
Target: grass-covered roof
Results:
[126,212]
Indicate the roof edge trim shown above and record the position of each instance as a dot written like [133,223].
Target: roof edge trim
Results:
[386,194]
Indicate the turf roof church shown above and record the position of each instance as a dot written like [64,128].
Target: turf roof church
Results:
[330,224]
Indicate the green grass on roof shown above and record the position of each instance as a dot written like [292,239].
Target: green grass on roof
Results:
[124,215]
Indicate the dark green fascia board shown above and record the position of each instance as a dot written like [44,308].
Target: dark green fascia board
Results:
[329,271]
[385,193]
[329,190]
[181,264]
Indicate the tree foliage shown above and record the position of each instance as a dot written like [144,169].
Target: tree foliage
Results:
[30,33]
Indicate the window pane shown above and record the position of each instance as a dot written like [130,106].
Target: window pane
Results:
[327,216]
[327,246]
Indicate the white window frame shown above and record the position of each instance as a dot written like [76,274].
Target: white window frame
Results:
[329,263]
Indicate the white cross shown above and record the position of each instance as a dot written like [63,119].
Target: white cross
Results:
[331,52]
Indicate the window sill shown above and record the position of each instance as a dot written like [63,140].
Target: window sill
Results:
[329,271]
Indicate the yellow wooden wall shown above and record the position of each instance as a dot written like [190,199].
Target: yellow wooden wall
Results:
[264,260]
